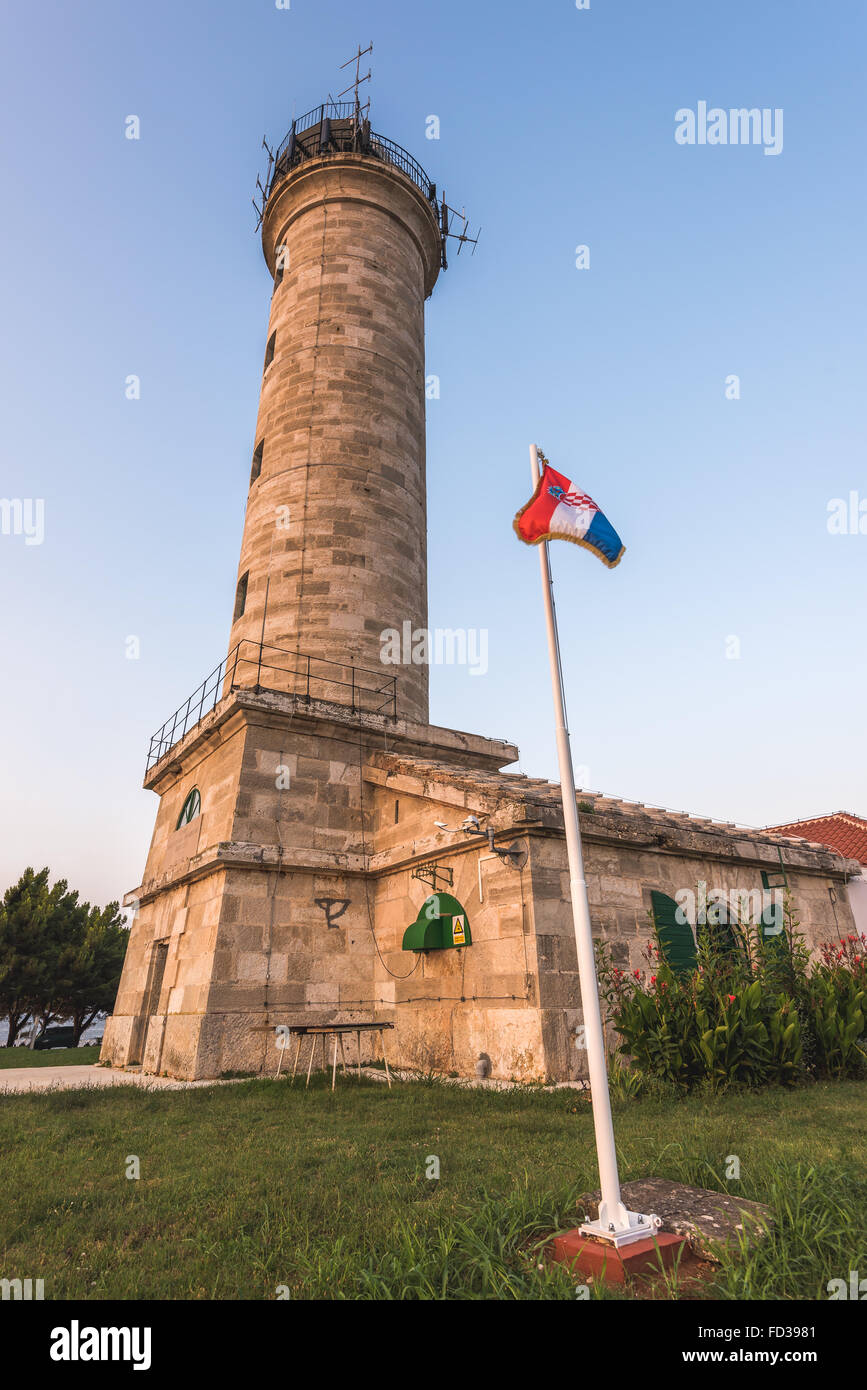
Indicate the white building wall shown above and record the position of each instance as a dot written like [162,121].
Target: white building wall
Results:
[858,900]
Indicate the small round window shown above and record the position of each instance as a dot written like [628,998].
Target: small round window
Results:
[192,808]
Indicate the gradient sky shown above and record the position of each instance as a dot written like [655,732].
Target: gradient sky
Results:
[557,129]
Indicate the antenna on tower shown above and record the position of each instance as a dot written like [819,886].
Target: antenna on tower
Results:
[260,211]
[449,219]
[359,80]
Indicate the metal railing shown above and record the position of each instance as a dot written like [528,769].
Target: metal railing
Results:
[259,666]
[346,131]
[395,154]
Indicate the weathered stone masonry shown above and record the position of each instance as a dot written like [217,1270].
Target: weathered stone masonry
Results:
[287,898]
[238,895]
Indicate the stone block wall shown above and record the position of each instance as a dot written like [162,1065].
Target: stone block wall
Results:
[620,880]
[336,520]
[287,900]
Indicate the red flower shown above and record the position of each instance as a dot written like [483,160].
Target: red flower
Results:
[653,979]
[637,974]
[731,998]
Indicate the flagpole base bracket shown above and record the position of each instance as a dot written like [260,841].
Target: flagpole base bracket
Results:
[641,1227]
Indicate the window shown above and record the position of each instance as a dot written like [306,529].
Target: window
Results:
[192,807]
[773,879]
[774,887]
[241,596]
[676,941]
[269,351]
[257,461]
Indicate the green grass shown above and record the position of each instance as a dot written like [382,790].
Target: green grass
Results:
[54,1057]
[247,1187]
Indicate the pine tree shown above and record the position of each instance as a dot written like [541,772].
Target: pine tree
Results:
[23,945]
[59,957]
[93,975]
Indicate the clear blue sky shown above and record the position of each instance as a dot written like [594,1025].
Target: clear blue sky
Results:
[557,129]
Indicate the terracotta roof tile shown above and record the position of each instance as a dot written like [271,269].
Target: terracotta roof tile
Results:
[840,831]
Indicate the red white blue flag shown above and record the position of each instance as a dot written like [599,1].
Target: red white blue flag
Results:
[558,511]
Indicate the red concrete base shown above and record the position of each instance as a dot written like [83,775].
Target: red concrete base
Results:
[587,1255]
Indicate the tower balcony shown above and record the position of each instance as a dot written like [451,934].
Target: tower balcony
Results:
[337,127]
[260,667]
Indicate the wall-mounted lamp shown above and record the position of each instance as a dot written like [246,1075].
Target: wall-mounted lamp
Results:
[515,855]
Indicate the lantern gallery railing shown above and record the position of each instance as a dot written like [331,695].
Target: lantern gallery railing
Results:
[258,666]
[338,126]
[330,128]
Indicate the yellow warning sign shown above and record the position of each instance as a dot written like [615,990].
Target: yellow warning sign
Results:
[459,935]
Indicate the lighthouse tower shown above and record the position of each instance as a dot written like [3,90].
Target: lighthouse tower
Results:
[334,548]
[261,903]
[322,854]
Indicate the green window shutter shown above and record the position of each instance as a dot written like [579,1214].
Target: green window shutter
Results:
[771,919]
[676,940]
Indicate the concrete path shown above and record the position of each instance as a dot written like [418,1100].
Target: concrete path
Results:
[88,1078]
[91,1077]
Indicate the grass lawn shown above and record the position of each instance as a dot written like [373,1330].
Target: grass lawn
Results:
[51,1057]
[247,1187]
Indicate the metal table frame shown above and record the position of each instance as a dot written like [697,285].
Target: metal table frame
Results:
[317,1030]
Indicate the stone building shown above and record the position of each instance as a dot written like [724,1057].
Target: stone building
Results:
[847,834]
[311,820]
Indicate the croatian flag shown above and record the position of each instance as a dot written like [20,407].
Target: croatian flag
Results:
[558,511]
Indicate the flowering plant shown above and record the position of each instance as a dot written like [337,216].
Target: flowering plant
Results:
[754,1011]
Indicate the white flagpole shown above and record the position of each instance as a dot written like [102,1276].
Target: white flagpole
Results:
[614,1223]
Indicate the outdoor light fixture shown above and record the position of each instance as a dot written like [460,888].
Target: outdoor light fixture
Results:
[515,856]
[470,826]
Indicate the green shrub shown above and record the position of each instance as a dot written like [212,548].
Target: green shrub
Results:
[756,1011]
[837,1003]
